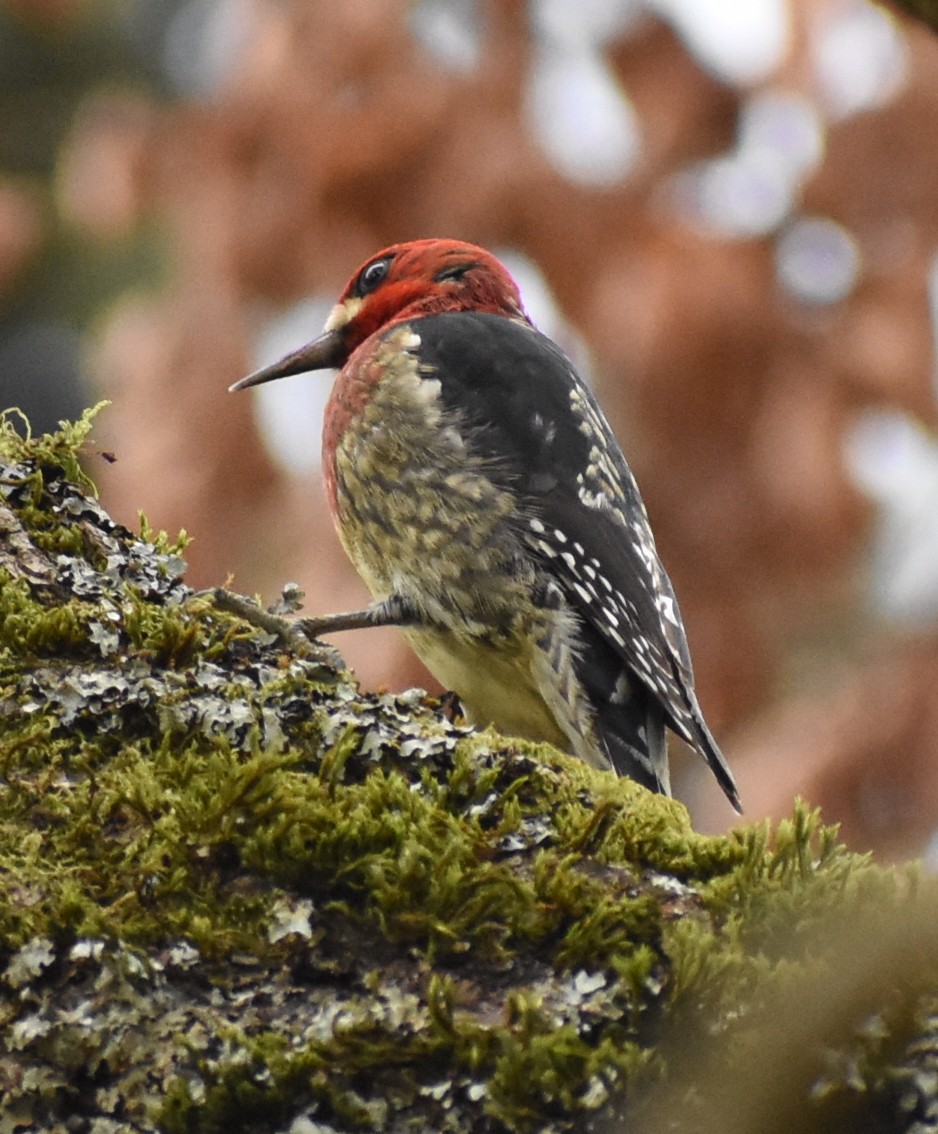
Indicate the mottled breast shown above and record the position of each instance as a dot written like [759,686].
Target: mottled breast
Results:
[417,510]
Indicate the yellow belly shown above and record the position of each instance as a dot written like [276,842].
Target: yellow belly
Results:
[495,687]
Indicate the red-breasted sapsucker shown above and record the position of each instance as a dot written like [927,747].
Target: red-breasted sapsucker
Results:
[481,495]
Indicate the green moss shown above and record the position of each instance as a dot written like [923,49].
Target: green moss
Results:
[479,933]
[170,636]
[49,452]
[31,628]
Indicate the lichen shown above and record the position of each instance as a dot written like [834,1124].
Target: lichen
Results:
[238,893]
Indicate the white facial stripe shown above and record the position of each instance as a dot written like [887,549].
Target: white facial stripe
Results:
[343,313]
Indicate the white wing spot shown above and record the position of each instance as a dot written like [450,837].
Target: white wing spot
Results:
[622,689]
[666,608]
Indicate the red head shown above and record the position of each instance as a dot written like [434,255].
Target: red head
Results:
[405,281]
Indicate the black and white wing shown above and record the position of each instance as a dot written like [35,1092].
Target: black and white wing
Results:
[583,517]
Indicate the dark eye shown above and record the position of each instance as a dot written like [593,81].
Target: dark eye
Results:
[372,275]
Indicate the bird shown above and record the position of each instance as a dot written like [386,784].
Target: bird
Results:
[481,495]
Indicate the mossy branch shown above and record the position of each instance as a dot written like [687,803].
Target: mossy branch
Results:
[236,893]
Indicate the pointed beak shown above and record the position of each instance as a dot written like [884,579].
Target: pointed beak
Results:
[326,352]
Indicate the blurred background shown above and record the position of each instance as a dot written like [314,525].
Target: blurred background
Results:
[727,214]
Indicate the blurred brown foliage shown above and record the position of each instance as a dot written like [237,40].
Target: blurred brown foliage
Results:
[337,133]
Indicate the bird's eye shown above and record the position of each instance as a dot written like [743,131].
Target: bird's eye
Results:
[372,275]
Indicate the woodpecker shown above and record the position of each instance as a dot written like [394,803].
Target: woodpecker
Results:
[481,495]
